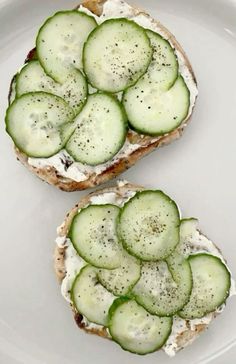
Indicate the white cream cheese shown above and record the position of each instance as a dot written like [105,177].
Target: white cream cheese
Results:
[62,241]
[77,171]
[90,325]
[73,264]
[110,198]
[68,168]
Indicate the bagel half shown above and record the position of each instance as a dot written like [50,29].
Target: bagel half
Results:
[184,332]
[66,174]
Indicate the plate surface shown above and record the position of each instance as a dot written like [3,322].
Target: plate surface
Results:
[198,171]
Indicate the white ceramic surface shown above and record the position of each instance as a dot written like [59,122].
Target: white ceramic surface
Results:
[36,326]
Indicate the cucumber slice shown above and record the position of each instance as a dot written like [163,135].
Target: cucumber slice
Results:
[90,298]
[187,244]
[32,78]
[12,91]
[151,111]
[163,70]
[149,225]
[60,43]
[187,228]
[93,234]
[101,131]
[164,287]
[192,241]
[121,280]
[116,54]
[135,330]
[211,286]
[38,123]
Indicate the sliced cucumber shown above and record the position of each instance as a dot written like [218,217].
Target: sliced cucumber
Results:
[93,234]
[135,330]
[60,42]
[192,241]
[101,131]
[152,111]
[38,123]
[187,228]
[90,298]
[149,225]
[211,286]
[187,244]
[163,70]
[33,78]
[164,288]
[121,280]
[12,91]
[116,54]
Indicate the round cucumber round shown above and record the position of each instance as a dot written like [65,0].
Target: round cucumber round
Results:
[163,70]
[38,123]
[116,54]
[152,111]
[135,330]
[93,234]
[190,239]
[60,42]
[211,286]
[33,78]
[149,225]
[121,280]
[90,298]
[164,287]
[101,130]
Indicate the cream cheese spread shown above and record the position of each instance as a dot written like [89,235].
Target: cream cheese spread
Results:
[62,161]
[76,171]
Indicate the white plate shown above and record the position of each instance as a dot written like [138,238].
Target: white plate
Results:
[36,326]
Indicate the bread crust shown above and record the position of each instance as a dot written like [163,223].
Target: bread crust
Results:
[147,143]
[185,338]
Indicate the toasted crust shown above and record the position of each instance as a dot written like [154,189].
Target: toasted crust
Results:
[185,338]
[147,144]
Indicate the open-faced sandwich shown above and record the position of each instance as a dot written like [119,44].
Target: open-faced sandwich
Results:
[105,85]
[133,271]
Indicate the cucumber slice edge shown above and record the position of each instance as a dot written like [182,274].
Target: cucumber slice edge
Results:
[219,260]
[119,218]
[47,21]
[121,301]
[70,236]
[130,21]
[122,140]
[13,138]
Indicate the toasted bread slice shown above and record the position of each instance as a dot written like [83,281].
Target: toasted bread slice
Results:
[185,332]
[143,145]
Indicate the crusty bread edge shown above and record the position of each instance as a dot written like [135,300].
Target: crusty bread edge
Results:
[148,144]
[185,338]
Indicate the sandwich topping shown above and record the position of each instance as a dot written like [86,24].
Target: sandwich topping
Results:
[118,75]
[161,276]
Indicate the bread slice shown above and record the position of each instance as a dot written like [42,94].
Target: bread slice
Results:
[187,331]
[144,144]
